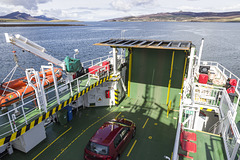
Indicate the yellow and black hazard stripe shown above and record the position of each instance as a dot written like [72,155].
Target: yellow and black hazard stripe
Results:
[113,80]
[23,130]
[29,126]
[116,92]
[207,109]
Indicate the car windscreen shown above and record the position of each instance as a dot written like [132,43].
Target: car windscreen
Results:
[97,148]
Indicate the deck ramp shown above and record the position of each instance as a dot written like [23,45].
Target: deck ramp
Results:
[157,75]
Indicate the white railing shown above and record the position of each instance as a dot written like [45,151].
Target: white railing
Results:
[96,61]
[177,138]
[207,95]
[14,121]
[231,137]
[224,72]
[217,127]
[226,105]
[213,97]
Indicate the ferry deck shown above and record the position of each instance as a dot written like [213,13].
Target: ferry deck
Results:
[158,123]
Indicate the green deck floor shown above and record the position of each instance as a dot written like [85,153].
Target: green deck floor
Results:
[209,147]
[154,139]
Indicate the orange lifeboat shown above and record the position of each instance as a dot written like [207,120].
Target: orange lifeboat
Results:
[18,87]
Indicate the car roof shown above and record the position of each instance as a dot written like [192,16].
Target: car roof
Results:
[106,133]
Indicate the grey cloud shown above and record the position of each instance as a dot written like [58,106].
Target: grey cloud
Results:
[90,8]
[28,4]
[142,2]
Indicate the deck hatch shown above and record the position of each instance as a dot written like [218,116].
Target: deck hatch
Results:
[153,44]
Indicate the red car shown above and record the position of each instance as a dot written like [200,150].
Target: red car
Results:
[110,140]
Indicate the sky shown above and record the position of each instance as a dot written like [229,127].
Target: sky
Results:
[96,10]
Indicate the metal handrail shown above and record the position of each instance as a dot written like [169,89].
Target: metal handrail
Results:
[68,90]
[223,71]
[177,138]
[100,58]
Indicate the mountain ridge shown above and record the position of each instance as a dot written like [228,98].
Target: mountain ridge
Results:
[24,16]
[181,16]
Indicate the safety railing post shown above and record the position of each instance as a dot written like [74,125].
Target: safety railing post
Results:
[71,88]
[237,84]
[193,94]
[10,121]
[234,152]
[78,85]
[41,93]
[24,115]
[13,119]
[177,138]
[55,83]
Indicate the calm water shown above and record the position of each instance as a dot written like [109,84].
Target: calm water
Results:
[222,41]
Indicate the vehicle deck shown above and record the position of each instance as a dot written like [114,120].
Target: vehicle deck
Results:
[155,132]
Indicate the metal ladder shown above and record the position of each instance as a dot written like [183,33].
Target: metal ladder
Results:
[217,127]
[39,89]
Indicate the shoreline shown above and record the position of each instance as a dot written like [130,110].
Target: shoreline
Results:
[38,25]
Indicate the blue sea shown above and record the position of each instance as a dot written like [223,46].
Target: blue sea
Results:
[222,41]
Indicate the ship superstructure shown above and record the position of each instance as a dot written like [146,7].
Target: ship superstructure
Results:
[181,105]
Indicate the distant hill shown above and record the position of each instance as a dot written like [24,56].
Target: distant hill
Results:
[24,16]
[184,17]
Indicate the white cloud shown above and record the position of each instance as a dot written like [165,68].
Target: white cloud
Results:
[27,4]
[93,10]
[191,9]
[127,5]
[121,5]
[232,8]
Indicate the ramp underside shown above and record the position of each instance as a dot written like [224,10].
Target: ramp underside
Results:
[150,75]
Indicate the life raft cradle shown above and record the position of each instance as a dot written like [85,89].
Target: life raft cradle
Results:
[19,92]
[18,89]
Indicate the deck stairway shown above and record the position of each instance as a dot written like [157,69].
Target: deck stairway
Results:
[217,127]
[213,97]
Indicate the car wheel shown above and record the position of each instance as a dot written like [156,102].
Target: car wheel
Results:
[134,133]
[118,157]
